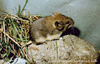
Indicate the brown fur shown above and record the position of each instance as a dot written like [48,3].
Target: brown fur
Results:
[50,26]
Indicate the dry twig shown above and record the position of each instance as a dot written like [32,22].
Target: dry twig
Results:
[11,38]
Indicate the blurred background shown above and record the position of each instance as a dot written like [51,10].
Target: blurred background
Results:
[85,13]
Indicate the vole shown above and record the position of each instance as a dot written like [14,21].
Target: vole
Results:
[50,27]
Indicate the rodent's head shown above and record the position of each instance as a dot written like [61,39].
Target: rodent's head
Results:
[62,22]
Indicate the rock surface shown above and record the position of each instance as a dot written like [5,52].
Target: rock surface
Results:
[69,49]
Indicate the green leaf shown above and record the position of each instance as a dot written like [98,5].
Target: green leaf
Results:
[24,6]
[19,9]
[56,49]
[16,30]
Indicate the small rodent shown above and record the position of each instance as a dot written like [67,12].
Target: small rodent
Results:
[50,27]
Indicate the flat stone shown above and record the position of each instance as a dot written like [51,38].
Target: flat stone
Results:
[70,49]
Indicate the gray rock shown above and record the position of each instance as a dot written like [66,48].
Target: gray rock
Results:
[68,50]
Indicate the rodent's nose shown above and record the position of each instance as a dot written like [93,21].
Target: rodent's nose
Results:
[71,23]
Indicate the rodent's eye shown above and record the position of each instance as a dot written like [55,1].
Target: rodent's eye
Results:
[67,22]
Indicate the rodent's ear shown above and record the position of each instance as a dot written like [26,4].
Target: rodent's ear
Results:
[59,25]
[55,13]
